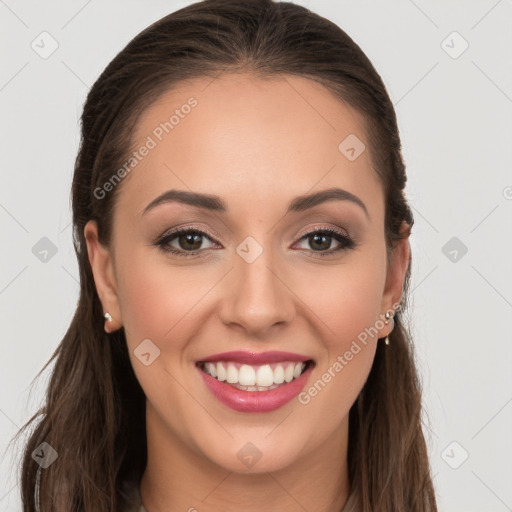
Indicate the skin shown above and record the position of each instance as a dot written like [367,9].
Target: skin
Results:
[257,144]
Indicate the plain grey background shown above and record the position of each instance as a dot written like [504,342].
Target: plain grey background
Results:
[448,69]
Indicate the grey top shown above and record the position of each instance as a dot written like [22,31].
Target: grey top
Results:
[133,500]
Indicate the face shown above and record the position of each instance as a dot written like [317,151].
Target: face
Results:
[264,271]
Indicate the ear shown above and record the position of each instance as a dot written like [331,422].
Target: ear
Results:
[397,268]
[102,266]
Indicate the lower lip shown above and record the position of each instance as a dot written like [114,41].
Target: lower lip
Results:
[255,401]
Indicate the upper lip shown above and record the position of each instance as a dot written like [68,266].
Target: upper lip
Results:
[255,358]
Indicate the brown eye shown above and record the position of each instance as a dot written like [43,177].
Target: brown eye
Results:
[190,241]
[320,241]
[183,242]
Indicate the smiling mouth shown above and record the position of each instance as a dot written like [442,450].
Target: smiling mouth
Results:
[248,377]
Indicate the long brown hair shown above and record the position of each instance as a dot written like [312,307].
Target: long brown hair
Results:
[94,411]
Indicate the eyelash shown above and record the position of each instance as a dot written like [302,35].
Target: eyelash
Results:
[162,242]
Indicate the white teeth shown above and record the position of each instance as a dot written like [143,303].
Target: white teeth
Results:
[255,378]
[255,388]
[232,374]
[279,374]
[221,372]
[247,376]
[288,373]
[211,368]
[265,376]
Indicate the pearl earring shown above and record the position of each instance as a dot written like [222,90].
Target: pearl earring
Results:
[388,318]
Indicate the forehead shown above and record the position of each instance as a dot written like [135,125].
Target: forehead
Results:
[276,138]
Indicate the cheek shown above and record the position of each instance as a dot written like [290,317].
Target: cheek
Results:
[155,298]
[347,302]
[346,298]
[157,303]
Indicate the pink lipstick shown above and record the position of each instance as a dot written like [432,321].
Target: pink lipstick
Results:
[255,382]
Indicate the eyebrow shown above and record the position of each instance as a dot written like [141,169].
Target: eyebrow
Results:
[216,204]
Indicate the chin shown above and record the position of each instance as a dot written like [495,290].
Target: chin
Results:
[256,453]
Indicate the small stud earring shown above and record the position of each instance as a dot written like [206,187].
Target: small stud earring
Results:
[388,316]
[108,317]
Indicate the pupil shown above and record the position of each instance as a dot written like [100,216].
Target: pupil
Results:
[324,237]
[189,238]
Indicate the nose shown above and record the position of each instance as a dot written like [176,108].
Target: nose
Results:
[256,296]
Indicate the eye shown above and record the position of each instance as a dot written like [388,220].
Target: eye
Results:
[320,240]
[187,241]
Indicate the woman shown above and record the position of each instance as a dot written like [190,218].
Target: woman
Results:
[242,236]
